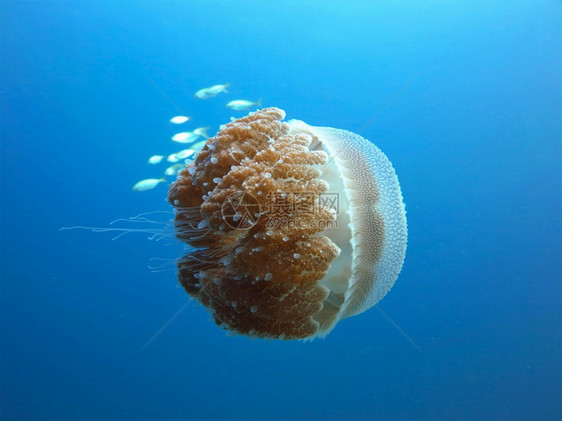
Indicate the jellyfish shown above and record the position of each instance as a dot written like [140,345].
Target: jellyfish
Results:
[289,228]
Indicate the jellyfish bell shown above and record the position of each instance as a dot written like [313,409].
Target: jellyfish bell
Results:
[290,227]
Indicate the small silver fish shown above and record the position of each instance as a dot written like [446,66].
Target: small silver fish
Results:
[179,119]
[186,153]
[174,169]
[148,184]
[201,131]
[242,104]
[185,137]
[155,159]
[198,146]
[212,91]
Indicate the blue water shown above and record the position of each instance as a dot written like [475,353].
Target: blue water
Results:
[476,140]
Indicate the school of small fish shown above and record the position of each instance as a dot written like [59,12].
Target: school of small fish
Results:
[190,140]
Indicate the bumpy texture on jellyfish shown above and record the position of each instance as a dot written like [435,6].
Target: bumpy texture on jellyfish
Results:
[268,257]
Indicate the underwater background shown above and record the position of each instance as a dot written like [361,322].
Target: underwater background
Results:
[88,89]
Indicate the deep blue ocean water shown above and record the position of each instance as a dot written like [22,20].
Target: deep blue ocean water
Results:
[475,138]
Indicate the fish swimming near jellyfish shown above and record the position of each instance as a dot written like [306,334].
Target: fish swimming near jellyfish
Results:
[174,169]
[183,154]
[148,184]
[211,91]
[242,104]
[198,145]
[179,119]
[187,137]
[290,228]
[201,131]
[155,159]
